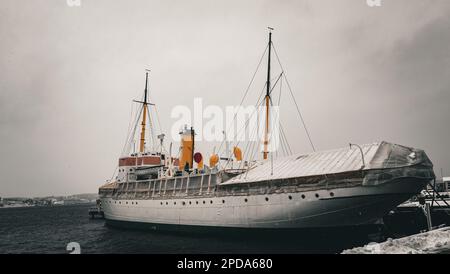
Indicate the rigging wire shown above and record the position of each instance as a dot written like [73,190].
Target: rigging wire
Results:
[246,122]
[151,132]
[251,144]
[293,98]
[157,116]
[247,90]
[279,100]
[283,140]
[257,104]
[131,121]
[288,146]
[135,127]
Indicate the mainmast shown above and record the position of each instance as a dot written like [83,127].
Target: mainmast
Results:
[266,133]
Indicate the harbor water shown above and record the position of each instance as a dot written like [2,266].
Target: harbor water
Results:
[51,229]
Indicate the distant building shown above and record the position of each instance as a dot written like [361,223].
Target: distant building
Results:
[442,185]
[446,183]
[56,202]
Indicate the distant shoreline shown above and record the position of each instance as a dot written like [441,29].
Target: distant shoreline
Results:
[41,206]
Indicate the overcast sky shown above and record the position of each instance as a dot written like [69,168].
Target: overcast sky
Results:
[68,75]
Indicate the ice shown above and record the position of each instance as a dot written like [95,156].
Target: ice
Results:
[429,242]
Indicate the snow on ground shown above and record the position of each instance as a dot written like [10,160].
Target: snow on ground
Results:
[429,242]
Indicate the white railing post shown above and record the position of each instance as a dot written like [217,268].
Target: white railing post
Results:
[174,186]
[209,183]
[201,185]
[187,184]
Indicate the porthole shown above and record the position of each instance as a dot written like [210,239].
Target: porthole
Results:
[190,202]
[174,203]
[267,199]
[136,202]
[161,203]
[204,202]
[210,202]
[196,202]
[245,200]
[132,203]
[331,194]
[317,195]
[167,203]
[127,202]
[184,203]
[303,196]
[290,197]
[223,201]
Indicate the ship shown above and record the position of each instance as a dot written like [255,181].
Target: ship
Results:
[351,186]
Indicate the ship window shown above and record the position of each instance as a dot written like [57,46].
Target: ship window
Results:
[136,202]
[190,202]
[331,194]
[161,203]
[317,195]
[210,202]
[167,203]
[184,203]
[267,199]
[303,196]
[290,197]
[132,203]
[196,202]
[245,200]
[204,202]
[127,202]
[131,169]
[174,203]
[223,201]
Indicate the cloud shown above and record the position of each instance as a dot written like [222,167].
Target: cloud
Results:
[68,76]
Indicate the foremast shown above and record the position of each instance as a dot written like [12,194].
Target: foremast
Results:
[145,105]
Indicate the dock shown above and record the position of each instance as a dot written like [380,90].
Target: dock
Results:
[95,212]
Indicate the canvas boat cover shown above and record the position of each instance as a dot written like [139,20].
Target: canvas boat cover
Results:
[377,156]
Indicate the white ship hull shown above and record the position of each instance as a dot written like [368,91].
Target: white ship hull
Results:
[346,207]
